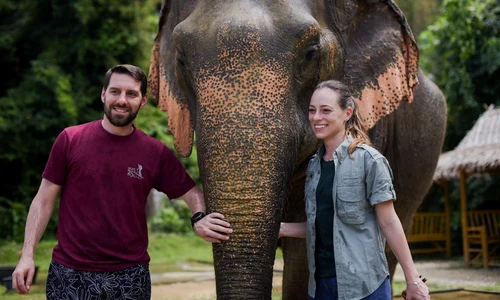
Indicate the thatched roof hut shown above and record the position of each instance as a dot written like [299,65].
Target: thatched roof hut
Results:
[478,152]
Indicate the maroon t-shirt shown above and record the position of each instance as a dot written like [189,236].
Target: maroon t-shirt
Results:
[106,180]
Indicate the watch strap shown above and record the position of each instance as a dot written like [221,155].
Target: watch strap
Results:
[196,217]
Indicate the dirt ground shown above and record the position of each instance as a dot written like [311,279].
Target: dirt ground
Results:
[452,273]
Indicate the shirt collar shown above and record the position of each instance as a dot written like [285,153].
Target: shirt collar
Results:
[341,152]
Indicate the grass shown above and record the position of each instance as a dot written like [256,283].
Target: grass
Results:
[163,249]
[171,248]
[399,285]
[11,251]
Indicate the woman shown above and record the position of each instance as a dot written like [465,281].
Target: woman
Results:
[349,206]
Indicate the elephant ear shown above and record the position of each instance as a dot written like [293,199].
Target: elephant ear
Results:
[163,85]
[381,62]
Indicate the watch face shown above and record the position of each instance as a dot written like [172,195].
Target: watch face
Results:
[197,216]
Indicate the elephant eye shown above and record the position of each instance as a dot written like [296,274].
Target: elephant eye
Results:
[181,59]
[311,52]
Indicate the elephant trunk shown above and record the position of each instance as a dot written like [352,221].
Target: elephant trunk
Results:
[244,264]
[245,170]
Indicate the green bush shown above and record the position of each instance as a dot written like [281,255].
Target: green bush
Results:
[12,219]
[173,217]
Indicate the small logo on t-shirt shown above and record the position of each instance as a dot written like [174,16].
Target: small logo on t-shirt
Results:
[135,172]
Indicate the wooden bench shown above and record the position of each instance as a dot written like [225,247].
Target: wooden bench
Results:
[432,228]
[482,236]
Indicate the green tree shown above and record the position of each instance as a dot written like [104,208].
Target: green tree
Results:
[461,53]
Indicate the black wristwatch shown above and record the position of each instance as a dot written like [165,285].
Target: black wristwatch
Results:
[196,217]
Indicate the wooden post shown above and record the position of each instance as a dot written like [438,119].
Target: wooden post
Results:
[448,221]
[463,210]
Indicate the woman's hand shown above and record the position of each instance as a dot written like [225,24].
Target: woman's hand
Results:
[416,291]
[293,230]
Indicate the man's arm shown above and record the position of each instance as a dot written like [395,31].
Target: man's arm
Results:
[38,217]
[212,228]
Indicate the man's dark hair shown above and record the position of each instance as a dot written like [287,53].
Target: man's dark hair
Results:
[131,70]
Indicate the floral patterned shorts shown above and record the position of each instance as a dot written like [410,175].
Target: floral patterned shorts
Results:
[66,283]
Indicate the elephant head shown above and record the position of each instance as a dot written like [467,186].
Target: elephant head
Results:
[240,74]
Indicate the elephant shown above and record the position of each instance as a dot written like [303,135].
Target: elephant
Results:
[240,74]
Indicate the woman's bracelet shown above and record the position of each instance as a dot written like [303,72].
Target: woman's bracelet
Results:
[416,282]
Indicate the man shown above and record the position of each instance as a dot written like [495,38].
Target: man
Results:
[104,171]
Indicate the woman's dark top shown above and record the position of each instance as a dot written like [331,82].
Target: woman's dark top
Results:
[324,255]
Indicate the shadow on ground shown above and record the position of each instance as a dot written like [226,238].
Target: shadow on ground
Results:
[462,295]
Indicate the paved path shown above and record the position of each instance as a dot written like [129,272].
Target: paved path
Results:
[455,273]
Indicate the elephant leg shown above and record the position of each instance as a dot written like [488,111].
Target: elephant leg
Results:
[295,271]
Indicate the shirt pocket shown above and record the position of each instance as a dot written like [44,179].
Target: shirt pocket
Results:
[351,205]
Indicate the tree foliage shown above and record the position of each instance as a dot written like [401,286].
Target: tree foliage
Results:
[461,53]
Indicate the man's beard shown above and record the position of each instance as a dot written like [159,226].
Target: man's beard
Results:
[119,120]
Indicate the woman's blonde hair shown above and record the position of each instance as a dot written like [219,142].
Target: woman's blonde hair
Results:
[355,126]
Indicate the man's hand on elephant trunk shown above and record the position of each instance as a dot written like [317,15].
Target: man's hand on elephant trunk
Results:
[212,228]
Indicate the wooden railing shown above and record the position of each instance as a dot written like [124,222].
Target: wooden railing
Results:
[482,236]
[433,229]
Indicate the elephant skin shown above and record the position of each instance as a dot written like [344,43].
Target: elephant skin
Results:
[240,74]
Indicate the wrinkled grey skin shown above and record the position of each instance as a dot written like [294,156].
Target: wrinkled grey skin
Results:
[241,73]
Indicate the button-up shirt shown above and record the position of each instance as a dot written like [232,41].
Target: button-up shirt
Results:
[361,181]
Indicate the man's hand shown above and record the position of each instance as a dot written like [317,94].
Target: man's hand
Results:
[212,228]
[25,269]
